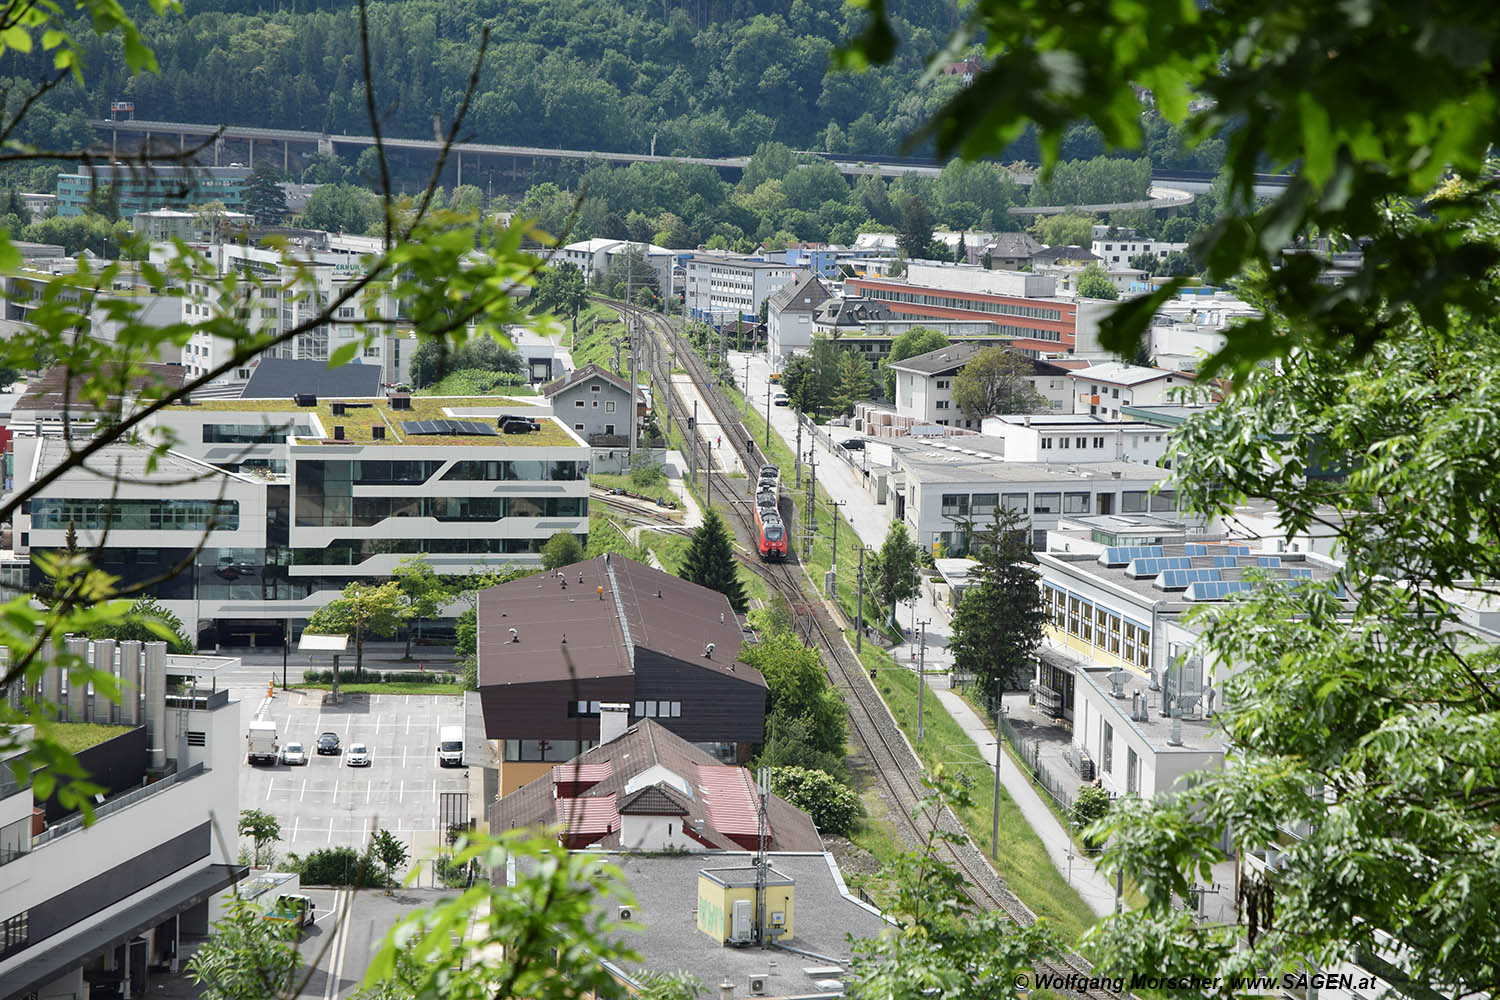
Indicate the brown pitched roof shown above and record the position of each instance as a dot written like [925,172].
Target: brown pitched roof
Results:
[806,285]
[57,385]
[582,375]
[587,619]
[655,800]
[644,746]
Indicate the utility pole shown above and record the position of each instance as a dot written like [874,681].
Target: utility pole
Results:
[921,675]
[768,415]
[691,438]
[995,817]
[630,404]
[833,567]
[810,523]
[859,607]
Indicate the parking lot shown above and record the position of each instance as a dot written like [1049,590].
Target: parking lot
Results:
[327,804]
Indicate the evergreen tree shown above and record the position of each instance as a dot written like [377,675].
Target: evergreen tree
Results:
[264,198]
[710,562]
[915,233]
[998,626]
[894,575]
[1094,283]
[855,382]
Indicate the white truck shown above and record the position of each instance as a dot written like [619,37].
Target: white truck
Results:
[450,751]
[262,739]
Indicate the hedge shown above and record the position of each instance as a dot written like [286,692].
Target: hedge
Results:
[376,677]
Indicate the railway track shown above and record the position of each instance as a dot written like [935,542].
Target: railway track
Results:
[892,757]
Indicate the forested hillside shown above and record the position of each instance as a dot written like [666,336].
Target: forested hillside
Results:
[710,77]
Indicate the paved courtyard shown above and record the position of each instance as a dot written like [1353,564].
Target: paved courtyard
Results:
[328,804]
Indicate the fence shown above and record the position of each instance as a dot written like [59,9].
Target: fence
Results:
[1030,753]
[118,802]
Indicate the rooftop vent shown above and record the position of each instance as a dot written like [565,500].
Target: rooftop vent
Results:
[338,432]
[305,399]
[399,400]
[515,636]
[337,408]
[708,651]
[378,433]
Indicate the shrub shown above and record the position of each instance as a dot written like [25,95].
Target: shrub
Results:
[832,806]
[452,873]
[341,866]
[1091,805]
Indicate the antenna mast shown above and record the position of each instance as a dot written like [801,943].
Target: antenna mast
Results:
[763,787]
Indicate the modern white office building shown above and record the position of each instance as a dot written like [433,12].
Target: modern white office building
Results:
[721,288]
[594,257]
[92,909]
[1069,438]
[293,498]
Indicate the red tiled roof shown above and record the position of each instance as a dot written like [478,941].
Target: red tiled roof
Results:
[581,774]
[729,799]
[592,817]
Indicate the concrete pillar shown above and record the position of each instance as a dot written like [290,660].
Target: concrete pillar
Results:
[251,143]
[155,686]
[128,712]
[460,169]
[97,708]
[286,154]
[78,646]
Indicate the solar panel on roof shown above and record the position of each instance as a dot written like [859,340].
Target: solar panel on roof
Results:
[1195,549]
[1121,555]
[1154,565]
[1237,550]
[1298,573]
[1226,562]
[1217,590]
[1177,579]
[445,426]
[1270,562]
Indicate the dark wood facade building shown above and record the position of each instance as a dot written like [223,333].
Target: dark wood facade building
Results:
[555,646]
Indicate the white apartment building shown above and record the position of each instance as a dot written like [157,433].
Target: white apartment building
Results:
[291,502]
[943,487]
[1103,388]
[1115,247]
[593,257]
[89,907]
[274,297]
[790,315]
[1058,437]
[720,287]
[924,384]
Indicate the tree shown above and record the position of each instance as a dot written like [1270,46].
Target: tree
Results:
[1065,230]
[261,827]
[799,383]
[944,946]
[833,806]
[247,957]
[562,549]
[1094,283]
[917,340]
[1177,264]
[341,208]
[996,380]
[435,360]
[264,197]
[709,561]
[677,985]
[805,719]
[915,233]
[1089,807]
[422,593]
[895,575]
[387,848]
[147,620]
[363,611]
[1147,262]
[561,290]
[855,381]
[998,625]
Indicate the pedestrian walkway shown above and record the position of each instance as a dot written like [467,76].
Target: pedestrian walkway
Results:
[1092,887]
[676,466]
[710,436]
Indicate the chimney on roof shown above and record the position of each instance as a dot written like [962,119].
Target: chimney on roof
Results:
[515,636]
[614,719]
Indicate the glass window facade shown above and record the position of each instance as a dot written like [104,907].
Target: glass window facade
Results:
[135,515]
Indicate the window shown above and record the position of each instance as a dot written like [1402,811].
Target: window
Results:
[1016,502]
[1115,393]
[1081,443]
[1046,444]
[1098,442]
[1165,500]
[983,504]
[1062,442]
[595,387]
[373,351]
[576,427]
[153,515]
[942,404]
[1107,750]
[1046,503]
[1075,503]
[942,383]
[609,428]
[15,933]
[1133,502]
[578,403]
[609,407]
[955,504]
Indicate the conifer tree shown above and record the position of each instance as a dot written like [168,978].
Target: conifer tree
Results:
[710,562]
[998,626]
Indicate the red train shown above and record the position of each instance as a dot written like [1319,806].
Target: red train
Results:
[772,533]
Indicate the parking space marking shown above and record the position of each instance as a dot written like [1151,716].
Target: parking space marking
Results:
[269,785]
[368,789]
[403,758]
[330,829]
[296,822]
[408,721]
[304,790]
[401,795]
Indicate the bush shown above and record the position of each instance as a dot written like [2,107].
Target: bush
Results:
[645,473]
[376,677]
[452,873]
[1091,805]
[832,806]
[340,866]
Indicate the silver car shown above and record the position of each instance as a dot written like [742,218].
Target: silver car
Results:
[292,755]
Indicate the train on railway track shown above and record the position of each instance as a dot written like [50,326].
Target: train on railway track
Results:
[769,530]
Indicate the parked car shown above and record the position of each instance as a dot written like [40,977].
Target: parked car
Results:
[780,399]
[853,444]
[292,755]
[358,755]
[328,743]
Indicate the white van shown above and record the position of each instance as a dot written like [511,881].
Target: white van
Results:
[451,746]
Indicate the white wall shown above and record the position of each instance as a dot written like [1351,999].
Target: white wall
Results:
[655,833]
